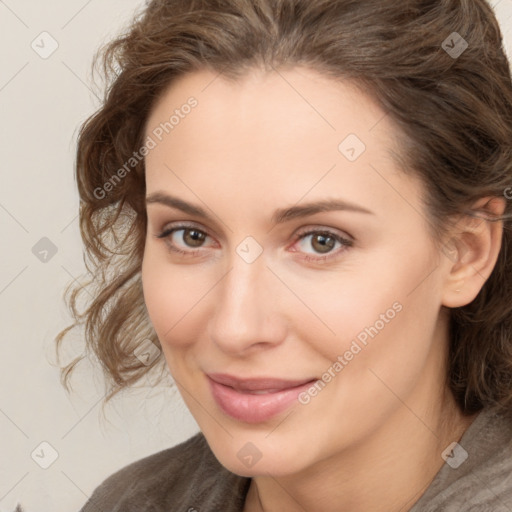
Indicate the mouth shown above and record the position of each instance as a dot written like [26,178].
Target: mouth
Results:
[255,400]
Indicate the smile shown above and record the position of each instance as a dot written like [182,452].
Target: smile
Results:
[255,400]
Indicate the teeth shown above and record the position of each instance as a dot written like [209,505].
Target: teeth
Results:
[261,392]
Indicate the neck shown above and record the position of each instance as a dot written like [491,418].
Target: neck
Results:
[389,471]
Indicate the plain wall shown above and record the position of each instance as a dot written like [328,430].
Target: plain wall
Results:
[42,103]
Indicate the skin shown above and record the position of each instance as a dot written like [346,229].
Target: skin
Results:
[372,438]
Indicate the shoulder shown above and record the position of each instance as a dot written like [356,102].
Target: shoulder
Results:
[185,477]
[478,474]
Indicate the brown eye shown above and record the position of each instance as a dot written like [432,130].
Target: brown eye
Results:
[322,243]
[193,237]
[184,239]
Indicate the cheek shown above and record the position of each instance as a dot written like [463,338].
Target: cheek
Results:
[390,345]
[388,310]
[171,294]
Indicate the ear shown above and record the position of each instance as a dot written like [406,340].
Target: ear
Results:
[472,251]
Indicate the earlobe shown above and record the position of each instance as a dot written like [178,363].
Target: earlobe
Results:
[474,246]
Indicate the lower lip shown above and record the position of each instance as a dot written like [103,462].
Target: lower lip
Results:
[251,408]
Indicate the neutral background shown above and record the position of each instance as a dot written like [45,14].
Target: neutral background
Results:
[43,100]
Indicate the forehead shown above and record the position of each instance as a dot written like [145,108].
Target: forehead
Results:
[300,98]
[287,133]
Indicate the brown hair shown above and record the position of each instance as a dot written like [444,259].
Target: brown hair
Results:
[453,114]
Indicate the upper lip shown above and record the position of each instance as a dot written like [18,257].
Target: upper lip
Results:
[256,383]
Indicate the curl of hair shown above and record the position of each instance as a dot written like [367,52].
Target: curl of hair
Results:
[453,119]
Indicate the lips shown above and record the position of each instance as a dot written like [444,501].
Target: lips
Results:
[255,400]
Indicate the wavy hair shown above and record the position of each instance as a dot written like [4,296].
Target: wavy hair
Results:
[453,115]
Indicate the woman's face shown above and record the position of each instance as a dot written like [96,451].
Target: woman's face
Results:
[288,270]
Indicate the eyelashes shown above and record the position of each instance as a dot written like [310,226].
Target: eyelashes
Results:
[198,235]
[325,239]
[324,244]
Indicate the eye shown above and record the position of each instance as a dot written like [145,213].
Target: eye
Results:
[321,244]
[184,239]
[192,237]
[315,245]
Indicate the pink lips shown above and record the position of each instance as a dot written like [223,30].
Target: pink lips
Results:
[255,400]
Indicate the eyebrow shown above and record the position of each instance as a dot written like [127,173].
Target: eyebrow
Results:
[280,216]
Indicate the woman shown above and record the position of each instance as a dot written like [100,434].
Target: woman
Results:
[301,208]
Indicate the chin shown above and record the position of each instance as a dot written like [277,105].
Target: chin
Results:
[249,456]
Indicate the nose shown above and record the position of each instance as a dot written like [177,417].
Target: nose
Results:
[249,313]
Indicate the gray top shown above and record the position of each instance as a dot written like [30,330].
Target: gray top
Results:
[483,481]
[476,477]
